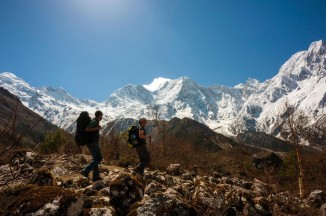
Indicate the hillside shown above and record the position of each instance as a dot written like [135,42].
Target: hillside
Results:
[31,126]
[58,189]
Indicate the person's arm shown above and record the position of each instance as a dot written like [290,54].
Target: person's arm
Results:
[93,126]
[93,129]
[142,136]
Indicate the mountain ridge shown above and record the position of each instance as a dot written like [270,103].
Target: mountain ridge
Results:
[250,106]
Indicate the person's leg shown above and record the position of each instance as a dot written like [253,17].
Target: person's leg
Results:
[97,160]
[144,158]
[95,150]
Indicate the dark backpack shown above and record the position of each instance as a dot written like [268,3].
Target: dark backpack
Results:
[81,136]
[133,136]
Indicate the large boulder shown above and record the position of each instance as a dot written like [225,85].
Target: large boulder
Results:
[125,190]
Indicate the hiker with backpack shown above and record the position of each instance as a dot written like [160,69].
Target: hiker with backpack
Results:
[141,149]
[92,132]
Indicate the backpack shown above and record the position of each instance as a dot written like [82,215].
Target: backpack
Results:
[81,136]
[133,136]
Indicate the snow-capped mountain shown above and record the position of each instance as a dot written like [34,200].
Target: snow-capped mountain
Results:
[301,82]
[252,106]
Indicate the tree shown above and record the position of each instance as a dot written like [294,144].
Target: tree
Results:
[160,123]
[294,131]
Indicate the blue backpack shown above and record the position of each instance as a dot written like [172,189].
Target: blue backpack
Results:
[133,136]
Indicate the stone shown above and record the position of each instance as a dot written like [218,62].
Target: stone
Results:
[167,203]
[317,198]
[76,207]
[43,177]
[322,210]
[98,185]
[173,169]
[260,188]
[106,211]
[124,191]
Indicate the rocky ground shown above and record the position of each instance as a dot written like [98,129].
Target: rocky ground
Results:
[51,185]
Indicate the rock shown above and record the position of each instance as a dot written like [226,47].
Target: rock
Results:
[317,198]
[124,191]
[90,191]
[194,171]
[266,160]
[173,169]
[245,184]
[208,198]
[151,188]
[104,192]
[98,185]
[322,210]
[58,171]
[260,188]
[104,201]
[82,182]
[76,207]
[41,200]
[159,203]
[232,211]
[68,184]
[169,180]
[262,206]
[106,211]
[187,176]
[43,177]
[26,169]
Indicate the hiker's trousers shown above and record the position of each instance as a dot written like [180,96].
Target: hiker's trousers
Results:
[95,150]
[144,158]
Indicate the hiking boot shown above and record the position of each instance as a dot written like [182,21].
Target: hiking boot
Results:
[83,173]
[97,179]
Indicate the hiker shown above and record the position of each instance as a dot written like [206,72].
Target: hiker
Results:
[141,149]
[94,147]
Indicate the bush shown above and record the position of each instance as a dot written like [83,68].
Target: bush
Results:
[53,142]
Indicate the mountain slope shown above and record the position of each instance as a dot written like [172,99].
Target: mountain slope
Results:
[27,123]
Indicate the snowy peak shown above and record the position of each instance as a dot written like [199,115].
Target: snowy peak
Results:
[58,94]
[305,64]
[318,47]
[156,84]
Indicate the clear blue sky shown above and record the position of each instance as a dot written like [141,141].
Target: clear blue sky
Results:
[93,47]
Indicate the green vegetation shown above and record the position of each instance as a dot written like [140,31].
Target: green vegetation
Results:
[54,142]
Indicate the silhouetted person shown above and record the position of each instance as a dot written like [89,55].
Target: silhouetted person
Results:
[94,147]
[143,154]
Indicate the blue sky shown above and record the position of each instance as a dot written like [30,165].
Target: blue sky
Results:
[93,47]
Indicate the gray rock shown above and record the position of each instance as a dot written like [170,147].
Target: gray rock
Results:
[167,203]
[98,185]
[173,169]
[317,198]
[106,211]
[322,210]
